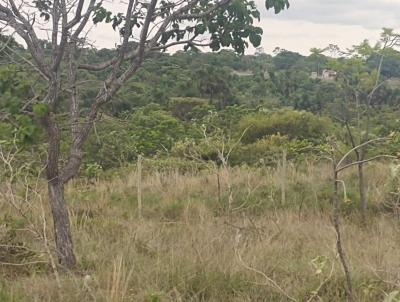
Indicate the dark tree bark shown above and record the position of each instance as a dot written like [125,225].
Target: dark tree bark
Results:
[339,246]
[55,184]
[62,228]
[362,191]
[360,157]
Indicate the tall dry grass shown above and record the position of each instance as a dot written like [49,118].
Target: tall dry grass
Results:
[187,247]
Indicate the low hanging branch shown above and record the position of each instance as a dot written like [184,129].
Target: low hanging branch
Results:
[365,161]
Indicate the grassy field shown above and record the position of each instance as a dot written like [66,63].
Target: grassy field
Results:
[227,236]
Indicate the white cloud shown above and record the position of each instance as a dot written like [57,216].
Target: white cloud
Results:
[306,24]
[372,14]
[317,23]
[302,35]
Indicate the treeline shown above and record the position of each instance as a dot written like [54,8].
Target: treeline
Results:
[193,106]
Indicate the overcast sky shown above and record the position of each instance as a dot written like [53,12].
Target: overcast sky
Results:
[313,23]
[317,23]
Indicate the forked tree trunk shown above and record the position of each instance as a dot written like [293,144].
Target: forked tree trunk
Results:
[59,210]
[62,228]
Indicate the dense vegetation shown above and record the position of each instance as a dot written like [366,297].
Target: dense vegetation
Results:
[236,174]
[178,100]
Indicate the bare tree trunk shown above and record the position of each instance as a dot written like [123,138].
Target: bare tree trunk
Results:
[139,185]
[339,247]
[360,156]
[283,176]
[361,188]
[219,187]
[62,228]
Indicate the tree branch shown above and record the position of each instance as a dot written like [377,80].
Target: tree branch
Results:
[364,161]
[358,147]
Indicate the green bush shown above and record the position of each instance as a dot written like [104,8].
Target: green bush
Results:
[266,151]
[188,109]
[148,131]
[15,89]
[154,129]
[200,150]
[109,145]
[294,124]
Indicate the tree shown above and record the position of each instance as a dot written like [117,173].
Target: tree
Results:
[360,86]
[15,88]
[316,54]
[145,27]
[213,83]
[286,59]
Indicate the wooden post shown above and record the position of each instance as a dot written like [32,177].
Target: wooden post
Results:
[283,177]
[139,185]
[219,187]
[336,225]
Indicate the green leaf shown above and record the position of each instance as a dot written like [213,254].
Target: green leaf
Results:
[199,29]
[226,40]
[278,5]
[256,14]
[255,39]
[215,45]
[45,16]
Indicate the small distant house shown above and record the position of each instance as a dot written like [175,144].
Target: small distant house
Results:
[248,73]
[242,73]
[314,75]
[326,75]
[259,51]
[329,74]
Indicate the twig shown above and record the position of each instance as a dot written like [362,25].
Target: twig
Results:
[268,280]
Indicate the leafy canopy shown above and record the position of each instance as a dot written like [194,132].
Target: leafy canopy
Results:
[230,25]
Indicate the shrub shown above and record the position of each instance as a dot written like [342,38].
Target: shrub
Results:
[188,109]
[109,145]
[148,131]
[266,151]
[154,130]
[293,124]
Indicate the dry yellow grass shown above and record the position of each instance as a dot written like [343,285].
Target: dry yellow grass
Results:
[187,248]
